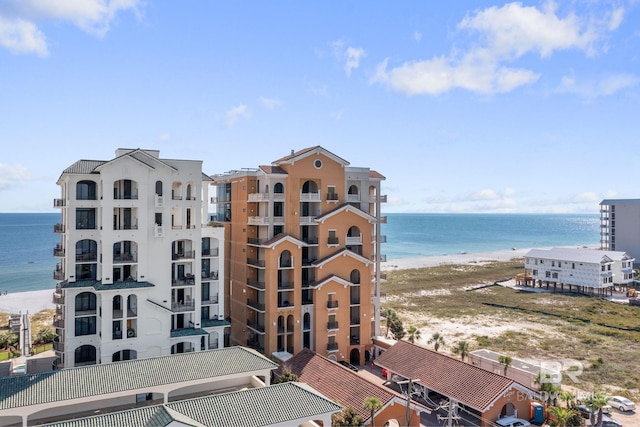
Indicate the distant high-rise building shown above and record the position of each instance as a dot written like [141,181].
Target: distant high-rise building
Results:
[303,255]
[620,225]
[140,268]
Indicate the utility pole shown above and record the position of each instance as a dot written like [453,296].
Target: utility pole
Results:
[409,383]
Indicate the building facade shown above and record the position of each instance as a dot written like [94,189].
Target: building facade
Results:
[303,254]
[588,270]
[620,225]
[140,269]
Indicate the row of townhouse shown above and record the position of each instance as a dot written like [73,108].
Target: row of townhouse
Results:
[288,258]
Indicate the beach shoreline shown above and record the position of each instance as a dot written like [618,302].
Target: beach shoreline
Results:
[34,301]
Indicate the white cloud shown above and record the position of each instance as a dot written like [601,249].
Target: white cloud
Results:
[165,137]
[270,103]
[236,113]
[606,86]
[586,197]
[19,30]
[352,59]
[417,36]
[13,176]
[505,34]
[485,195]
[20,36]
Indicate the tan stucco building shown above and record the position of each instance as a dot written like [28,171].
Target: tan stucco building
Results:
[303,255]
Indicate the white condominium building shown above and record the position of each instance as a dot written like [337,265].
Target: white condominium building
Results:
[587,269]
[140,272]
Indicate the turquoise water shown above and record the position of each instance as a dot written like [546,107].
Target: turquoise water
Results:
[27,240]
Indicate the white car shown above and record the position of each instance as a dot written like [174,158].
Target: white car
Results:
[622,403]
[512,422]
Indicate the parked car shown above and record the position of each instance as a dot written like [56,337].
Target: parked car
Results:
[348,365]
[622,403]
[512,422]
[607,421]
[585,411]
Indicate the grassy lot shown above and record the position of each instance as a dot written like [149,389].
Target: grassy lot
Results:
[602,335]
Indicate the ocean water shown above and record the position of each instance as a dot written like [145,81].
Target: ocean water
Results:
[416,235]
[27,240]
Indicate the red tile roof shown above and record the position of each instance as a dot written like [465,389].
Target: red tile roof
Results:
[468,384]
[337,382]
[273,170]
[376,174]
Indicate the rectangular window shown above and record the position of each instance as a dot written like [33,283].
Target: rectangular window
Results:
[331,193]
[85,325]
[85,219]
[333,239]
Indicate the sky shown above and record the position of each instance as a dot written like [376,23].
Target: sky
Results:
[468,106]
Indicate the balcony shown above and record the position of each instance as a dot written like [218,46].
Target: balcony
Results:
[213,299]
[256,284]
[125,258]
[355,321]
[87,257]
[311,197]
[187,281]
[122,195]
[59,203]
[255,262]
[352,198]
[179,306]
[383,219]
[310,240]
[213,252]
[255,241]
[58,228]
[258,220]
[332,325]
[332,304]
[285,285]
[354,340]
[382,238]
[355,299]
[258,197]
[332,197]
[184,255]
[125,226]
[255,304]
[209,275]
[58,322]
[257,327]
[350,241]
[58,251]
[333,241]
[332,346]
[58,346]
[381,258]
[255,345]
[58,297]
[58,275]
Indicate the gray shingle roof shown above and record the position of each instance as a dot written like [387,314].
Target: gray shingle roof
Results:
[84,166]
[73,383]
[253,407]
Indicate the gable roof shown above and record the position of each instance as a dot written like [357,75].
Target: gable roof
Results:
[142,157]
[252,407]
[468,384]
[305,152]
[335,381]
[342,252]
[95,380]
[345,208]
[376,175]
[273,170]
[281,237]
[331,278]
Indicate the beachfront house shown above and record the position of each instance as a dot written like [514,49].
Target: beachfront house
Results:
[304,254]
[140,268]
[584,270]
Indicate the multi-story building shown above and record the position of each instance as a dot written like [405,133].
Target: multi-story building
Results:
[620,225]
[303,255]
[588,270]
[139,273]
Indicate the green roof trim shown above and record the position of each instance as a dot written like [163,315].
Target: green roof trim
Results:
[212,323]
[188,332]
[99,286]
[253,407]
[104,379]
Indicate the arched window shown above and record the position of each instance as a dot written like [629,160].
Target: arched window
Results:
[309,187]
[159,188]
[117,307]
[85,355]
[188,191]
[306,321]
[86,250]
[355,277]
[86,190]
[86,301]
[124,355]
[278,188]
[285,259]
[353,190]
[132,306]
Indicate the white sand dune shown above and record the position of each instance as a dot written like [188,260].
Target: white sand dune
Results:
[26,302]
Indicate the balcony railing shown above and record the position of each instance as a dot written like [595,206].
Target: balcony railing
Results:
[58,275]
[332,304]
[258,197]
[382,238]
[58,203]
[355,299]
[180,306]
[255,304]
[159,201]
[88,257]
[58,322]
[311,197]
[332,325]
[184,255]
[124,258]
[255,345]
[213,299]
[124,196]
[255,241]
[258,220]
[187,281]
[332,197]
[383,219]
[58,346]
[333,241]
[285,285]
[258,327]
[353,197]
[311,240]
[255,262]
[158,231]
[213,252]
[58,252]
[332,346]
[357,240]
[256,283]
[125,227]
[58,228]
[58,297]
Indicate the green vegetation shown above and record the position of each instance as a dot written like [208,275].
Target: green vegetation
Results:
[603,335]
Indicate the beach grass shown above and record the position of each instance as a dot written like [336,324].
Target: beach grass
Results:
[604,336]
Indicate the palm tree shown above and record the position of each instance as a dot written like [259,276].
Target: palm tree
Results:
[562,415]
[347,418]
[286,376]
[437,340]
[506,361]
[596,402]
[568,398]
[389,315]
[372,404]
[462,348]
[414,334]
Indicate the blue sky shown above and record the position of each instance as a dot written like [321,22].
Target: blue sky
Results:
[465,106]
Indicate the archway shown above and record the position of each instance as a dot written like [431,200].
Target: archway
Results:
[354,357]
[508,410]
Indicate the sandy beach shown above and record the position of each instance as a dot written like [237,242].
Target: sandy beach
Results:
[35,301]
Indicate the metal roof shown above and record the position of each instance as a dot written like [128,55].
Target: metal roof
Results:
[589,256]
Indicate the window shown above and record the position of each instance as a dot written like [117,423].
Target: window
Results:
[85,354]
[278,188]
[85,219]
[159,188]
[86,301]
[548,274]
[278,209]
[331,193]
[85,325]
[333,239]
[86,190]
[317,163]
[158,218]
